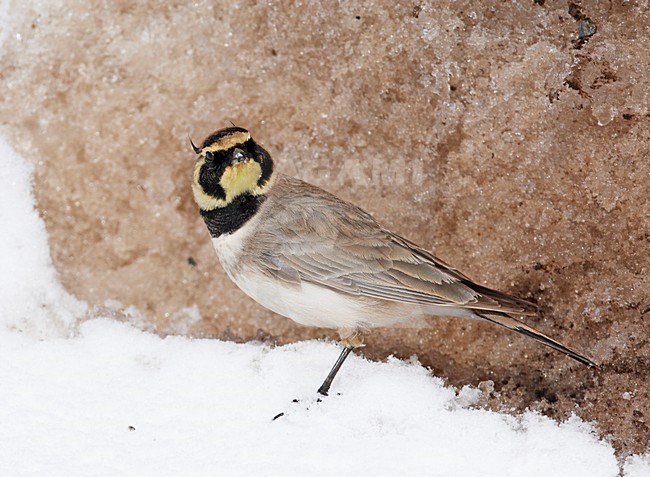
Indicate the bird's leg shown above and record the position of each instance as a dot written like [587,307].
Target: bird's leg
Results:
[325,387]
[351,341]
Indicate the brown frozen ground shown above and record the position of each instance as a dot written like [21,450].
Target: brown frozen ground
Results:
[488,132]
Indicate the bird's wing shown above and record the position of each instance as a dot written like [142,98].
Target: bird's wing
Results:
[316,238]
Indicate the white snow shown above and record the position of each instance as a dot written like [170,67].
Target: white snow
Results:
[637,466]
[31,299]
[98,397]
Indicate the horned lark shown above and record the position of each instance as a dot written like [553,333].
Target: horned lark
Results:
[312,257]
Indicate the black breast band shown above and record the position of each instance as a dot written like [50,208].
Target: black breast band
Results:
[225,220]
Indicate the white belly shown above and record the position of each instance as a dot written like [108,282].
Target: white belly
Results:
[307,304]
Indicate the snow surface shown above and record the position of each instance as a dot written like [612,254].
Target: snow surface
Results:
[31,299]
[98,397]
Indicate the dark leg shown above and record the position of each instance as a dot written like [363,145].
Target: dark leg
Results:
[325,387]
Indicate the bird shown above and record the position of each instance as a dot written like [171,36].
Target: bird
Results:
[308,255]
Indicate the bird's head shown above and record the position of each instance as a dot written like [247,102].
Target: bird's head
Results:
[230,164]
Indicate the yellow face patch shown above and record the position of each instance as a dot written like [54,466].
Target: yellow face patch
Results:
[235,180]
[226,142]
[240,178]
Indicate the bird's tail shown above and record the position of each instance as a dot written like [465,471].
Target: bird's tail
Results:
[503,319]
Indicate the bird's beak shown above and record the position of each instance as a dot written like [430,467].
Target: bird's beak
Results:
[238,156]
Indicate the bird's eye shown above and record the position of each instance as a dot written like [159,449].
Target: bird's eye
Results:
[209,156]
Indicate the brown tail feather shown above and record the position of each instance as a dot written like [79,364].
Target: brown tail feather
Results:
[505,302]
[506,321]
